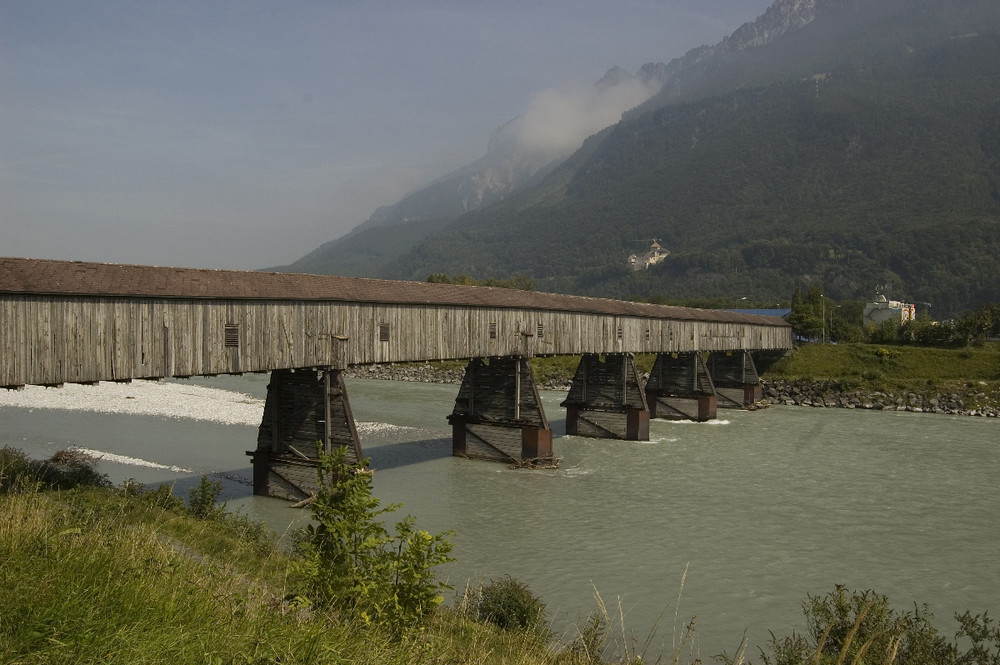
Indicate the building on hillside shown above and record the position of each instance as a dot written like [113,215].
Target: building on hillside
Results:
[655,254]
[883,310]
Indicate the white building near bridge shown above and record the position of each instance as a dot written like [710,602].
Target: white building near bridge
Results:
[883,310]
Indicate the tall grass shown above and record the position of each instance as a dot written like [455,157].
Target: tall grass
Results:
[77,589]
[107,576]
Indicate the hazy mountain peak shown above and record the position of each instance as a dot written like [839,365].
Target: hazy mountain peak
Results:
[791,41]
[840,143]
[556,123]
[779,18]
[613,77]
[523,149]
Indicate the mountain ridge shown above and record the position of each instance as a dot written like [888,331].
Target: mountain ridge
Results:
[509,166]
[836,143]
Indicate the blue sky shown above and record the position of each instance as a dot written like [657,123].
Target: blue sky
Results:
[243,134]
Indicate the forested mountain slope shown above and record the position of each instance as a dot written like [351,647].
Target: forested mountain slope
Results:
[872,157]
[525,149]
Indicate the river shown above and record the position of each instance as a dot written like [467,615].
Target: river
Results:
[759,508]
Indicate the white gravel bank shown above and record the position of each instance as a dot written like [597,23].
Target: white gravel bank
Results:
[154,398]
[148,398]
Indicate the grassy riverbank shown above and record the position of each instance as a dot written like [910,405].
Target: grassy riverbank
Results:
[100,574]
[108,575]
[105,576]
[891,366]
[962,381]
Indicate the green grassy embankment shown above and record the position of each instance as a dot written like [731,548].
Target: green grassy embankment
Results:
[101,576]
[891,366]
[961,381]
[97,574]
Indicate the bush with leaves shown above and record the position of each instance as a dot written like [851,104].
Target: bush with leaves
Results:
[983,635]
[854,627]
[64,470]
[507,604]
[202,500]
[591,638]
[351,563]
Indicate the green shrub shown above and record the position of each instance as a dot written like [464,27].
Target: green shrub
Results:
[508,604]
[983,635]
[202,500]
[873,375]
[66,469]
[591,638]
[350,562]
[860,627]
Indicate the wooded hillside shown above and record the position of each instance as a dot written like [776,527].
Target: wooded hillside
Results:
[857,149]
[872,173]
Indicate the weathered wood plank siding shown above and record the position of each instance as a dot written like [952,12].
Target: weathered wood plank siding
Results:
[81,322]
[54,339]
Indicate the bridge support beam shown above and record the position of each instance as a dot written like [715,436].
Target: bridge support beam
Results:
[303,407]
[736,380]
[607,400]
[680,388]
[498,414]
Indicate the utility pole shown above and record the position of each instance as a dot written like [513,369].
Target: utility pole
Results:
[822,302]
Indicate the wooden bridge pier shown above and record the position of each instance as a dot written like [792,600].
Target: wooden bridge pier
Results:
[737,383]
[303,406]
[680,387]
[498,414]
[606,399]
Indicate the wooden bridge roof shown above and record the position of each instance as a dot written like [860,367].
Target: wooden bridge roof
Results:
[76,278]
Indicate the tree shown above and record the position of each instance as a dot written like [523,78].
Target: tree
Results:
[807,313]
[351,563]
[977,325]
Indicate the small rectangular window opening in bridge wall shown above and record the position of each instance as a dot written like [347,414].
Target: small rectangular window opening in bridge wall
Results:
[621,333]
[493,329]
[383,332]
[232,334]
[648,335]
[540,331]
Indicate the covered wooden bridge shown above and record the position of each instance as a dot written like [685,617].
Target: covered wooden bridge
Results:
[72,322]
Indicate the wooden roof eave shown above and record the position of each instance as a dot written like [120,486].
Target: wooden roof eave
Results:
[42,277]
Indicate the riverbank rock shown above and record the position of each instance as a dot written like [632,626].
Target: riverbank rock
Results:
[972,402]
[428,373]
